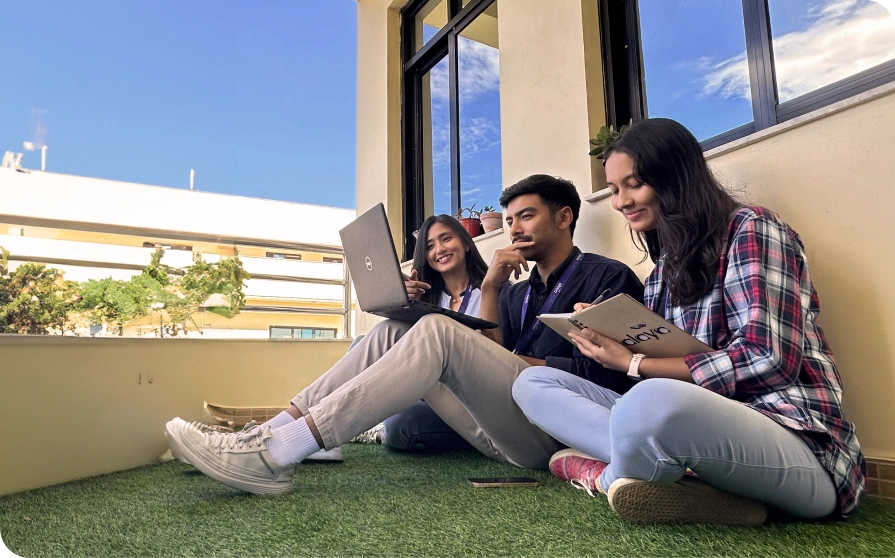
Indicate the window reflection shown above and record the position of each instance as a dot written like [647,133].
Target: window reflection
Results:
[430,20]
[695,69]
[436,139]
[479,80]
[819,43]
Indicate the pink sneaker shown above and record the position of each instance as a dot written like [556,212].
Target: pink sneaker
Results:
[579,469]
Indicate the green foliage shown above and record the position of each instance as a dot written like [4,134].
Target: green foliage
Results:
[487,209]
[606,136]
[117,302]
[156,269]
[37,300]
[225,277]
[34,298]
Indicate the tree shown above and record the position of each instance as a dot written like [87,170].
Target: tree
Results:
[34,298]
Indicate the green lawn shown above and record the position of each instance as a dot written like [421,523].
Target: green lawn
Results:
[379,503]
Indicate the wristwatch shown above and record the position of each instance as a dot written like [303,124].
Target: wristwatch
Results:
[634,367]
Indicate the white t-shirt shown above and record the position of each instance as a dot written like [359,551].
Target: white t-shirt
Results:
[472,309]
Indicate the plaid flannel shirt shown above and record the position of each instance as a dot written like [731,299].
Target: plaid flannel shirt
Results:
[761,316]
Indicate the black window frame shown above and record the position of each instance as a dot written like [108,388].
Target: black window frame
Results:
[416,63]
[624,74]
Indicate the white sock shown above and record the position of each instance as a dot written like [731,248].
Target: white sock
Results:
[281,419]
[292,443]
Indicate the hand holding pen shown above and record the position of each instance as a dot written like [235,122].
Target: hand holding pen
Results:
[579,306]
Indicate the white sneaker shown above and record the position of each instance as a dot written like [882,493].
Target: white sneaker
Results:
[330,456]
[371,436]
[240,460]
[178,422]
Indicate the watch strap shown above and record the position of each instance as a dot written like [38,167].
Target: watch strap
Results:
[634,367]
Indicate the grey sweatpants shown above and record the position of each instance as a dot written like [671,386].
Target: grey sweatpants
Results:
[465,377]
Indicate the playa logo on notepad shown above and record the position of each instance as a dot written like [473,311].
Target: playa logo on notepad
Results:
[643,336]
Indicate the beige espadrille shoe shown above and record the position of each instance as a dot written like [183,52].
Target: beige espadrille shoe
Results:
[685,501]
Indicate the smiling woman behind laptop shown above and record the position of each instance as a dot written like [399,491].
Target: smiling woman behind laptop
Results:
[448,272]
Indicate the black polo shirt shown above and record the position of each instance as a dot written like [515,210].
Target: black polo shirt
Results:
[594,275]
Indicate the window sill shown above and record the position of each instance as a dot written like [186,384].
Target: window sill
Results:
[858,99]
[845,104]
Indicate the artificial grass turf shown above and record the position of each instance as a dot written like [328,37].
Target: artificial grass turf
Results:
[380,503]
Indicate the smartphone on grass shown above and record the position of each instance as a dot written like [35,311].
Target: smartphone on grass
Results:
[504,482]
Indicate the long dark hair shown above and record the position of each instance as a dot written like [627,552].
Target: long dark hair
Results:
[694,209]
[475,265]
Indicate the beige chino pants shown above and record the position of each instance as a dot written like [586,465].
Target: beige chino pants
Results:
[466,378]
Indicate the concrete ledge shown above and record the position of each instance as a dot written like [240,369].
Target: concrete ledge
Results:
[77,407]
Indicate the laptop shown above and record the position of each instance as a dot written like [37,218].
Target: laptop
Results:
[378,281]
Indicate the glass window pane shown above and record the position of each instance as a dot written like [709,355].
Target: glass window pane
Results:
[327,334]
[307,333]
[479,83]
[280,332]
[436,140]
[429,21]
[819,43]
[694,58]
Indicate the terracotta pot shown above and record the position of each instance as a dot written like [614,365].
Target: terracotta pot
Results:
[492,221]
[472,225]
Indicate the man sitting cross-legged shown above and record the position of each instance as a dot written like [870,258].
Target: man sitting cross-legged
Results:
[465,377]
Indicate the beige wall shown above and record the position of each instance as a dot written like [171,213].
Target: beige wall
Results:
[79,407]
[549,52]
[379,109]
[837,194]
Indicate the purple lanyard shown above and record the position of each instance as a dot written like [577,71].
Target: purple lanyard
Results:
[467,294]
[536,325]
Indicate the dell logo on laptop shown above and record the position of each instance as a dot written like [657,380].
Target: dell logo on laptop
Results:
[369,263]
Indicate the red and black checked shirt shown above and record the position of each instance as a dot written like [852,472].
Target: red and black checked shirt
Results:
[771,355]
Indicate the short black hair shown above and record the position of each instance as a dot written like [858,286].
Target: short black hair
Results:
[556,192]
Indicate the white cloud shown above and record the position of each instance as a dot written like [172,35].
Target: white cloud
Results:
[479,72]
[846,37]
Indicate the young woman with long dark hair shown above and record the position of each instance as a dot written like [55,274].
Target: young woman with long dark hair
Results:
[719,436]
[448,272]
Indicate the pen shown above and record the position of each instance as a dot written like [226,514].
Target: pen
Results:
[599,298]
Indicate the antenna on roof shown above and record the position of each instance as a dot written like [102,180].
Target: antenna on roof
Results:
[192,178]
[29,146]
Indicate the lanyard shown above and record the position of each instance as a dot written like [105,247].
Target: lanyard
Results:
[467,294]
[536,325]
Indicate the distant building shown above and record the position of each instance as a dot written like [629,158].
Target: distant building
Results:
[93,228]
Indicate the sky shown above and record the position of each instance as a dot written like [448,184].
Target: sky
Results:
[701,77]
[257,96]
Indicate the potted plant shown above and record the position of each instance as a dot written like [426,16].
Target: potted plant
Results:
[472,223]
[605,136]
[491,220]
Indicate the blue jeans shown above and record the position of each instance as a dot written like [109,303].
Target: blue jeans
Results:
[662,427]
[420,428]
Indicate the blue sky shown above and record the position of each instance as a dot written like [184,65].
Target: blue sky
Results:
[258,97]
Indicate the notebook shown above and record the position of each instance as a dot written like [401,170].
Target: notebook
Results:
[378,281]
[631,323]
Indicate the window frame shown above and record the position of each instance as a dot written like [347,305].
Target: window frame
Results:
[415,64]
[624,73]
[314,331]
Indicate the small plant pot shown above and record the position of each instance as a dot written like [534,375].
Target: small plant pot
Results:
[492,221]
[472,225]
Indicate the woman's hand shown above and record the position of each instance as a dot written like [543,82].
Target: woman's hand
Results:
[415,289]
[609,353]
[579,306]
